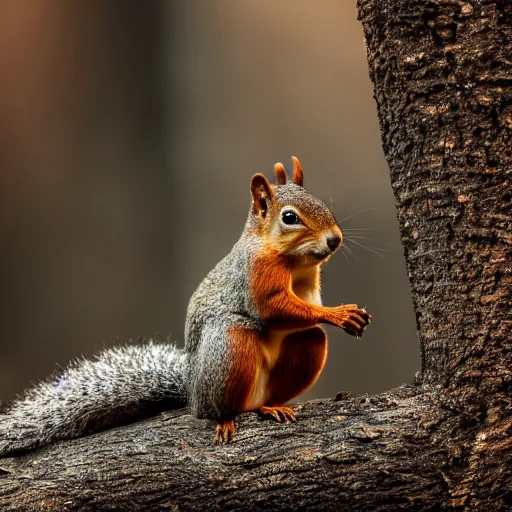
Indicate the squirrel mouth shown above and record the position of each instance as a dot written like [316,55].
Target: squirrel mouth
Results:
[320,255]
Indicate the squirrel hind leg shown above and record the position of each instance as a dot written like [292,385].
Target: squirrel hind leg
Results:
[225,432]
[301,359]
[281,413]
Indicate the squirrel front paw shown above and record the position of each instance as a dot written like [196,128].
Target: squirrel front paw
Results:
[353,319]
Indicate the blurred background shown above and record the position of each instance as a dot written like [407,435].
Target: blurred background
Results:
[129,132]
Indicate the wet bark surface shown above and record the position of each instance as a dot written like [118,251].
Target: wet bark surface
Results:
[442,75]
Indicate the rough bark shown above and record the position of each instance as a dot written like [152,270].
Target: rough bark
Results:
[442,74]
[367,453]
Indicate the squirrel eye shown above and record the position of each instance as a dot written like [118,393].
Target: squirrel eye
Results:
[290,217]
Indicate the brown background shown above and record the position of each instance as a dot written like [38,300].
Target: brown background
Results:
[128,136]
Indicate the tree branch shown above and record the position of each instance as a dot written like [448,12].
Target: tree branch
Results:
[376,453]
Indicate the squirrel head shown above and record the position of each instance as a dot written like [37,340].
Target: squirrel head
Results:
[290,221]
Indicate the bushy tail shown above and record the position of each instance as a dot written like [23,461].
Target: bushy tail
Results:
[119,385]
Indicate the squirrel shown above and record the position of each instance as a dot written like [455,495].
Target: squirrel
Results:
[252,336]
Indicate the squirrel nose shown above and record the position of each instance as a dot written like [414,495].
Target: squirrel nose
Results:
[333,242]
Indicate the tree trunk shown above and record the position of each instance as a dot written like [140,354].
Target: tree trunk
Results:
[442,74]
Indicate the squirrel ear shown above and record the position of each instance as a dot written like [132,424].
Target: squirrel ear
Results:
[262,194]
[280,172]
[298,175]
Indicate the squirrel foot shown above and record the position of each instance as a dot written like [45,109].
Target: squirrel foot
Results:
[280,414]
[225,432]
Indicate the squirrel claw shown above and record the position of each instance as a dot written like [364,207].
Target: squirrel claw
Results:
[281,413]
[225,432]
[356,320]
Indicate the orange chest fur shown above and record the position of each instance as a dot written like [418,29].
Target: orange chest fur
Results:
[305,283]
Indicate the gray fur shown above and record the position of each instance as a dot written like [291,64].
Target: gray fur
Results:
[221,301]
[123,384]
[117,386]
[294,195]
